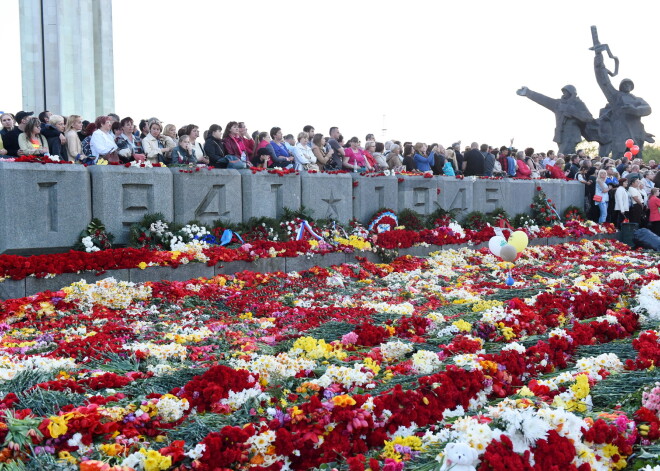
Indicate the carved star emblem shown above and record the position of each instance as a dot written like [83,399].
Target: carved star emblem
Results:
[332,204]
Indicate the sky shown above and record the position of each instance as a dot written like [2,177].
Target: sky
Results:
[415,70]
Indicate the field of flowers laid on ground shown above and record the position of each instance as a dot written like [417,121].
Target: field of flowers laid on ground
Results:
[419,364]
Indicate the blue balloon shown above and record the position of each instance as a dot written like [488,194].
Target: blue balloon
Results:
[510,281]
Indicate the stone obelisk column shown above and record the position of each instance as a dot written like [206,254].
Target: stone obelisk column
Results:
[67,56]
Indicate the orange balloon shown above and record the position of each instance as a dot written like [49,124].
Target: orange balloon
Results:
[628,155]
[630,143]
[634,150]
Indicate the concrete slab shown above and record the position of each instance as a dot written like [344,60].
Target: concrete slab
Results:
[266,195]
[121,196]
[42,206]
[328,196]
[207,195]
[418,193]
[373,193]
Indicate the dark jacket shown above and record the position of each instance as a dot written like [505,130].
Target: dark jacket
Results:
[216,153]
[475,163]
[10,141]
[52,136]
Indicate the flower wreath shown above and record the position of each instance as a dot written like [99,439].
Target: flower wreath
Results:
[383,221]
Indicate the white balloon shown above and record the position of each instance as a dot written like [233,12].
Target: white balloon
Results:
[495,244]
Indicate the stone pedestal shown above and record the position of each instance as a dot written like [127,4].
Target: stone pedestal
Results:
[572,195]
[418,193]
[207,195]
[122,196]
[266,194]
[455,194]
[328,196]
[42,206]
[373,193]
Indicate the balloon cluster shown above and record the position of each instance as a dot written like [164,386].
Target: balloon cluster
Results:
[634,149]
[508,250]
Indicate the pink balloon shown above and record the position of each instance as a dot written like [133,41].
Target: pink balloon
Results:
[634,150]
[630,143]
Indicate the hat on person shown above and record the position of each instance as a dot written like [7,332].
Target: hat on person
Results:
[21,115]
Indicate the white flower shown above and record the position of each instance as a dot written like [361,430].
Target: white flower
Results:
[196,452]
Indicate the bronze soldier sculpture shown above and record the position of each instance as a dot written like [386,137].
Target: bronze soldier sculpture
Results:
[571,115]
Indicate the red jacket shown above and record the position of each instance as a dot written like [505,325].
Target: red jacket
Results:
[555,172]
[523,170]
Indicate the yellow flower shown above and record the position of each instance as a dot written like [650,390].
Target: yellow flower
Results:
[154,461]
[372,365]
[581,387]
[142,265]
[57,425]
[525,392]
[66,456]
[462,325]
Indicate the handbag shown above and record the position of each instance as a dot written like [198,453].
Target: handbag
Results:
[598,198]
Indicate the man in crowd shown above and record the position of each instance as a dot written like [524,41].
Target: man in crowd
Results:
[338,151]
[489,160]
[10,136]
[473,163]
[574,167]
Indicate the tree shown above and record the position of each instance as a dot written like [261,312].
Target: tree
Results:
[589,147]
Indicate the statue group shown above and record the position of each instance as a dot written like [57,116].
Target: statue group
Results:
[618,121]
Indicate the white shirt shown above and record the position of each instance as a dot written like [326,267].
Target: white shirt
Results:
[304,156]
[101,143]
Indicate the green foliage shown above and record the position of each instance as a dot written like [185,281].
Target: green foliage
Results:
[590,147]
[441,217]
[289,214]
[495,215]
[153,232]
[543,210]
[522,220]
[651,152]
[44,402]
[573,213]
[475,220]
[411,220]
[101,239]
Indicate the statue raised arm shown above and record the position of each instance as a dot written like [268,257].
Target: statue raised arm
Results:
[571,116]
[621,119]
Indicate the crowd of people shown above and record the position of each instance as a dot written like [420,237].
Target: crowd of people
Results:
[616,190]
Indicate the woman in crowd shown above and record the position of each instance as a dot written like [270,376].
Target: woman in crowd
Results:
[369,149]
[449,169]
[157,147]
[102,143]
[423,162]
[170,131]
[263,154]
[31,142]
[183,153]
[556,170]
[54,134]
[85,143]
[304,158]
[602,196]
[116,129]
[408,159]
[354,158]
[235,150]
[318,148]
[381,163]
[394,159]
[192,130]
[654,211]
[522,169]
[213,147]
[637,201]
[534,166]
[130,147]
[73,144]
[621,202]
